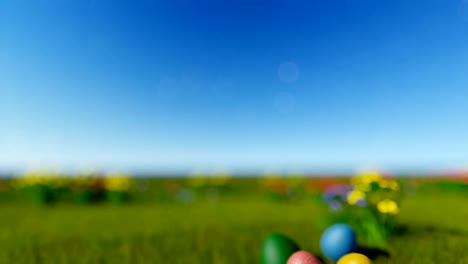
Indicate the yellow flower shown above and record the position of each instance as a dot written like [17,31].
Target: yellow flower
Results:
[389,184]
[355,196]
[39,178]
[363,181]
[117,183]
[388,206]
[363,187]
[371,177]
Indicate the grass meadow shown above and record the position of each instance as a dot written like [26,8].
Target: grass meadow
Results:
[432,228]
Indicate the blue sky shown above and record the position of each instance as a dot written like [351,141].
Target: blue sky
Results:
[314,86]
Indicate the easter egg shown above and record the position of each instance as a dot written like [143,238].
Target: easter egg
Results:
[354,258]
[303,257]
[337,241]
[276,249]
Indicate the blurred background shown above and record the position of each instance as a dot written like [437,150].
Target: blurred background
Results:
[187,131]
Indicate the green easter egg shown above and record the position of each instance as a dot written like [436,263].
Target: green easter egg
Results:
[276,249]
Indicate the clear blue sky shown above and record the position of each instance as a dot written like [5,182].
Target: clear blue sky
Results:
[244,85]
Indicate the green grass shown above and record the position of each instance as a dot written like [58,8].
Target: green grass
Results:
[434,230]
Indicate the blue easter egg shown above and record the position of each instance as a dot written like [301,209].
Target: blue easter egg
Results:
[337,241]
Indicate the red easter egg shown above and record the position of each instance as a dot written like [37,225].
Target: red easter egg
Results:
[303,257]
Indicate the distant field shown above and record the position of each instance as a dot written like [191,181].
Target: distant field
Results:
[434,227]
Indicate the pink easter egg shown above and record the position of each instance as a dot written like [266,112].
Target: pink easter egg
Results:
[303,257]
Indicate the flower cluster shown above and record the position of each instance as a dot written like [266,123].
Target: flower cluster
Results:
[369,202]
[376,190]
[32,179]
[46,187]
[118,183]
